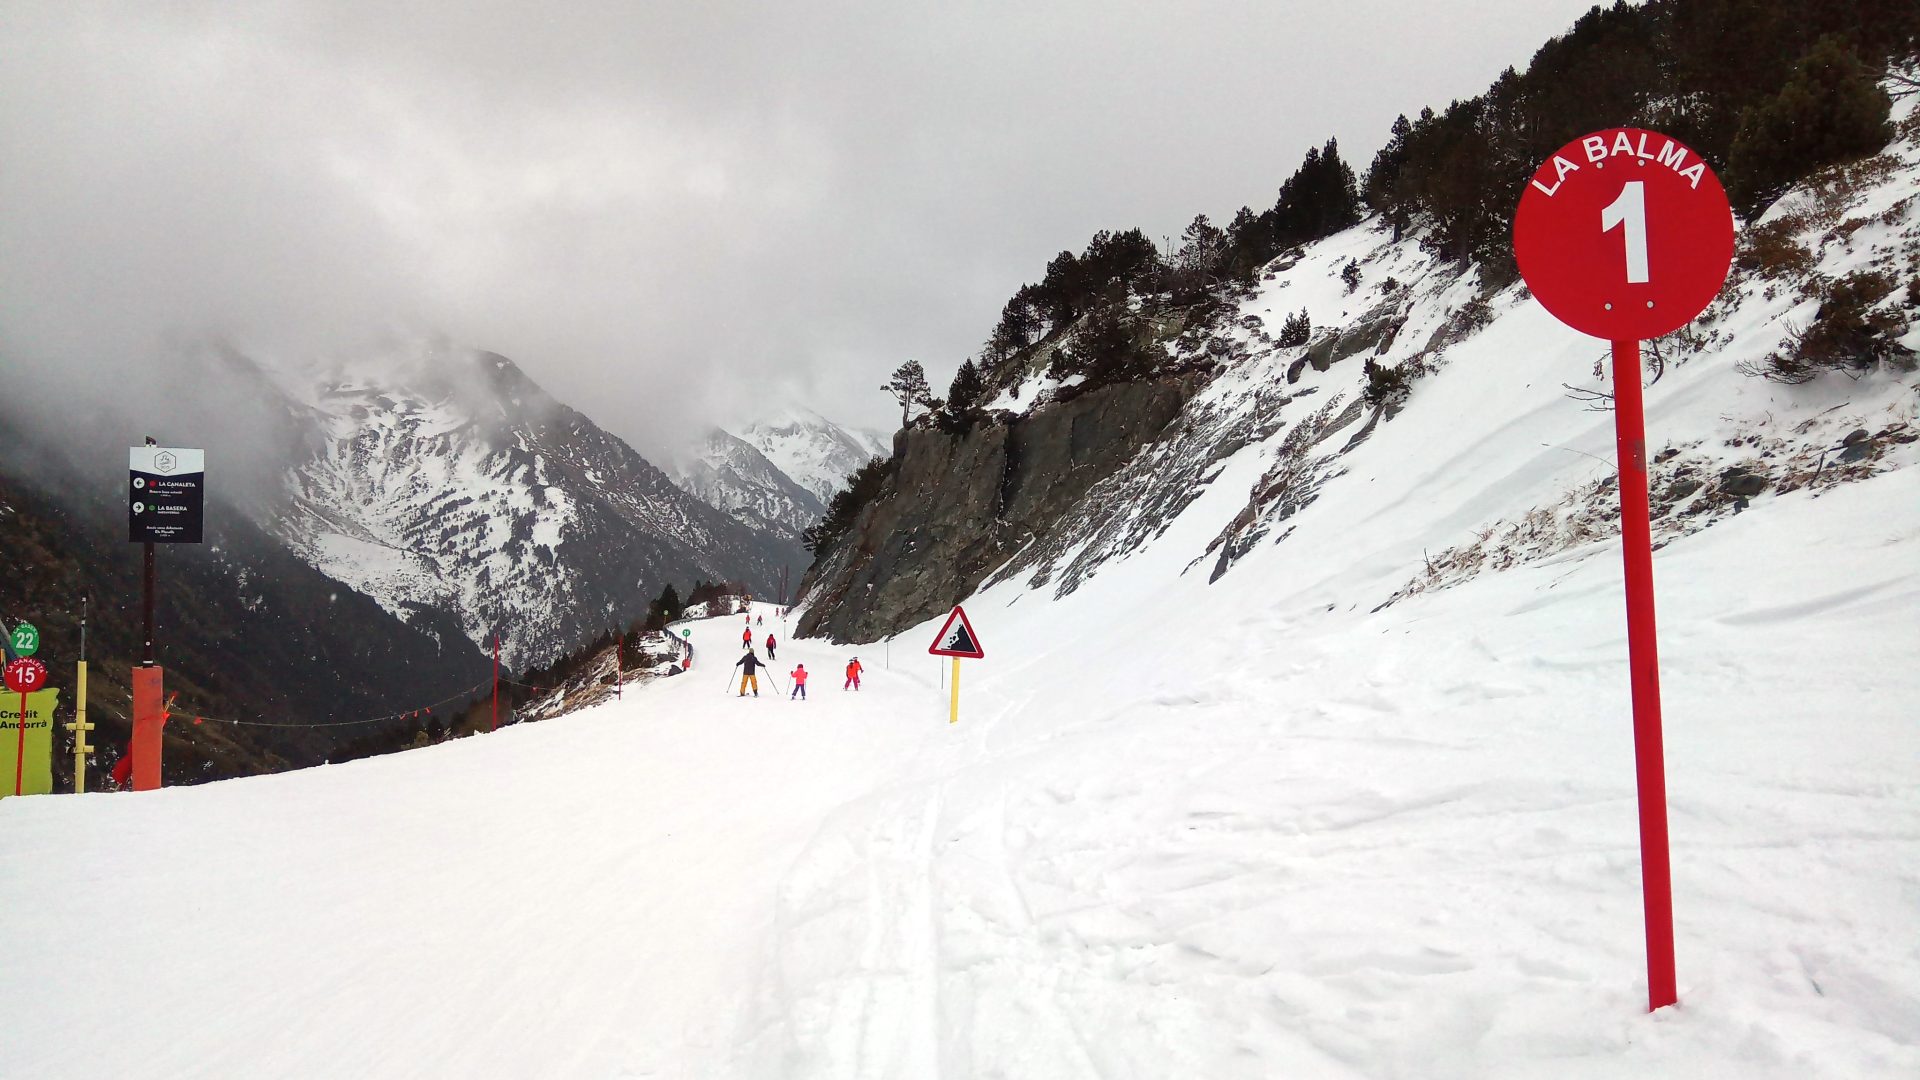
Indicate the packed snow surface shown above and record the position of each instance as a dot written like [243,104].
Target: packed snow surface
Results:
[1206,833]
[1364,807]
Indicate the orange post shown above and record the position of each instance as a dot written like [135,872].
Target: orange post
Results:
[149,719]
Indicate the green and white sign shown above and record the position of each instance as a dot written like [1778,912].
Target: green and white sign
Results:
[26,639]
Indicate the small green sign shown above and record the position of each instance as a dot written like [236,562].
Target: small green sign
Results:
[686,633]
[26,639]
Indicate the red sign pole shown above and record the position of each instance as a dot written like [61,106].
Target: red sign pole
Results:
[1643,660]
[1626,234]
[23,676]
[495,725]
[20,755]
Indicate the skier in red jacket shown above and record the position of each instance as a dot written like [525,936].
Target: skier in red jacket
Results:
[853,674]
[799,683]
[770,655]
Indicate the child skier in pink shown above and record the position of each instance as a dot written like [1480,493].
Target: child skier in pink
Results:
[799,683]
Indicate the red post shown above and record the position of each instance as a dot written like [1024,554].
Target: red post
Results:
[1643,658]
[619,647]
[149,725]
[496,684]
[20,755]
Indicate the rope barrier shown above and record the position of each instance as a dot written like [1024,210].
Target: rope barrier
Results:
[401,715]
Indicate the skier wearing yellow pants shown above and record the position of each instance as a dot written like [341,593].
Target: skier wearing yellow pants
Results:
[749,677]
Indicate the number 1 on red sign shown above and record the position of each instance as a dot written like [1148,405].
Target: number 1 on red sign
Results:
[1629,209]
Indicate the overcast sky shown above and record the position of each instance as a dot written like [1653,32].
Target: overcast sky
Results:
[666,213]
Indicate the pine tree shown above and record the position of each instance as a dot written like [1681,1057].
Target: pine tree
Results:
[1295,331]
[1060,292]
[1021,322]
[909,387]
[1830,110]
[1200,258]
[968,386]
[1318,200]
[1382,188]
[1107,349]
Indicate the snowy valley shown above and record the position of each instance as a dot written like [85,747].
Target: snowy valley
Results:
[1303,742]
[1270,770]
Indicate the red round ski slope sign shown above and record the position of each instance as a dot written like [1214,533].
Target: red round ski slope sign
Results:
[1624,234]
[27,675]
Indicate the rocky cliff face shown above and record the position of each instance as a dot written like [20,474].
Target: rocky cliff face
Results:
[958,507]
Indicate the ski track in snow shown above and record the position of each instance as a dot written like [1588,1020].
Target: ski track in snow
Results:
[1323,844]
[1252,829]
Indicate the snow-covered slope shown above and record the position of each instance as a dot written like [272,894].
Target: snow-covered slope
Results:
[726,472]
[1284,426]
[435,477]
[1228,798]
[815,452]
[1180,830]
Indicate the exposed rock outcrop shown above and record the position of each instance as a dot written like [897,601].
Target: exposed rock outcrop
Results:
[958,507]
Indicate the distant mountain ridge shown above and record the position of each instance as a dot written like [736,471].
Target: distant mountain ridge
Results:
[730,474]
[779,473]
[438,478]
[251,636]
[815,452]
[371,524]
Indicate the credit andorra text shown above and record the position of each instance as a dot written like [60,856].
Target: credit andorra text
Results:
[1672,155]
[10,720]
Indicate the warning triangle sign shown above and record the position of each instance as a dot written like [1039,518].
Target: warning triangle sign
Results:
[957,638]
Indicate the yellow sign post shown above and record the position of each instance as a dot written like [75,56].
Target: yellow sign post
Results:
[956,639]
[34,735]
[80,727]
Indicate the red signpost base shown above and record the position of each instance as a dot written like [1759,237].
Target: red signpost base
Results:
[1643,657]
[149,720]
[20,753]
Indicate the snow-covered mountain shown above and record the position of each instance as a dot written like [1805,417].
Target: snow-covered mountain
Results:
[728,473]
[813,451]
[438,478]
